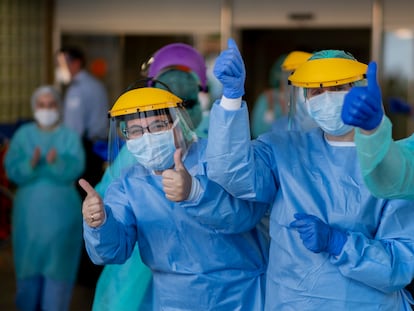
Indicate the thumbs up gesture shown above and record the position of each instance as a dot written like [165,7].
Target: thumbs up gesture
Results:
[177,182]
[363,104]
[230,71]
[92,208]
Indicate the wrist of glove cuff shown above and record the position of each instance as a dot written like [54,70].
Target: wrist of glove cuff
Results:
[337,240]
[233,93]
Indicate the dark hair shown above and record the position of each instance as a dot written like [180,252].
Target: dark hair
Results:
[74,53]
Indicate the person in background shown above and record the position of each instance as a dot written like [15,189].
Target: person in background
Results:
[333,246]
[44,160]
[387,165]
[85,106]
[272,103]
[180,68]
[183,58]
[85,110]
[200,243]
[298,117]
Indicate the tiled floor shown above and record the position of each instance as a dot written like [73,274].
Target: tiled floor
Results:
[82,296]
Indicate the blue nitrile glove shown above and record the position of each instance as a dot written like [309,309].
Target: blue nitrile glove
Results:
[318,236]
[229,70]
[399,106]
[363,104]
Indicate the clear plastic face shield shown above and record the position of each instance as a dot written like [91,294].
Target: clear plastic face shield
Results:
[147,126]
[298,115]
[332,76]
[302,99]
[284,87]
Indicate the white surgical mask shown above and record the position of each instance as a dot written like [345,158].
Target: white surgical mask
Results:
[46,117]
[155,151]
[326,110]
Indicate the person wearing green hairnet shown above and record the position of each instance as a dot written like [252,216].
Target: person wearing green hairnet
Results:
[181,69]
[334,246]
[44,160]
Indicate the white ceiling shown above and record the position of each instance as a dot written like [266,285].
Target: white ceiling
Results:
[203,16]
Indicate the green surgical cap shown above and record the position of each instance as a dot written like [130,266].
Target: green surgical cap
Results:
[186,86]
[332,54]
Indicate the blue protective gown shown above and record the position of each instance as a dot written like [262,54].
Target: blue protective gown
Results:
[302,172]
[123,287]
[47,216]
[204,255]
[387,165]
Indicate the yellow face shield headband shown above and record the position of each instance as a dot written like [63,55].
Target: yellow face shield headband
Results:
[144,99]
[328,72]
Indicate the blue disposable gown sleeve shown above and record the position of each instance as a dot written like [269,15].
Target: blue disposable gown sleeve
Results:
[386,261]
[114,240]
[217,209]
[387,165]
[232,160]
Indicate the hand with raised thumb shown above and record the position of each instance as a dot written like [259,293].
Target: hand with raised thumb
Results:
[363,104]
[92,208]
[229,70]
[177,182]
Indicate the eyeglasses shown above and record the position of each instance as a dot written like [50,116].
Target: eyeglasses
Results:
[136,131]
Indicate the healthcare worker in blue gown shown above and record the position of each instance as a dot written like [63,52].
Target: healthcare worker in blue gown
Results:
[44,160]
[333,245]
[387,165]
[182,69]
[200,243]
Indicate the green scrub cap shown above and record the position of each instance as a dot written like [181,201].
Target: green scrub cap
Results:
[185,85]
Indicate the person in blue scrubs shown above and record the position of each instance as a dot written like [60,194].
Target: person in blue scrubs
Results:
[44,160]
[200,243]
[387,165]
[182,69]
[334,246]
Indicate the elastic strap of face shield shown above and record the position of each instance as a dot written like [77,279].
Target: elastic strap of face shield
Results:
[146,82]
